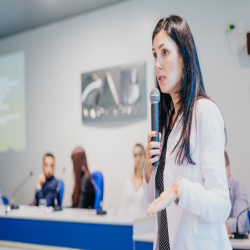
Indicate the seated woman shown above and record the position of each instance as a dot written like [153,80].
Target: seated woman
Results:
[134,200]
[84,191]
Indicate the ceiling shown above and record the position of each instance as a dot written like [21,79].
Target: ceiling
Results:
[20,15]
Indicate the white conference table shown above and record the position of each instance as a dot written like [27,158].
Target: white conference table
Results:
[71,228]
[30,228]
[240,244]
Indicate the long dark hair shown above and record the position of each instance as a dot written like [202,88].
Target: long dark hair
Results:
[192,87]
[81,168]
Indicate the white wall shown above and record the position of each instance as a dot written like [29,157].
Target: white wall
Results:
[57,54]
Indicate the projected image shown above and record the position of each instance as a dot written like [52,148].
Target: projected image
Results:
[12,102]
[114,94]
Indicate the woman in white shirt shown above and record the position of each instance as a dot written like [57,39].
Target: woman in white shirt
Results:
[134,200]
[188,189]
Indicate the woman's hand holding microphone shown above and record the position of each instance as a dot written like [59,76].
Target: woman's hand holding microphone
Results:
[153,153]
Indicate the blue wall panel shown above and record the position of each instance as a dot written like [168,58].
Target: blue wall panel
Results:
[143,245]
[67,234]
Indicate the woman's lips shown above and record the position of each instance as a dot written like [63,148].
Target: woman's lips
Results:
[161,79]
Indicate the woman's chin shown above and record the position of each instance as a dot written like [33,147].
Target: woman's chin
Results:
[164,89]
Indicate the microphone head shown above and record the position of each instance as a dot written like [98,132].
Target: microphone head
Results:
[154,96]
[31,173]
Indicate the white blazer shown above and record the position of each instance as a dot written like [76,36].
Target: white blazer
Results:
[133,201]
[198,221]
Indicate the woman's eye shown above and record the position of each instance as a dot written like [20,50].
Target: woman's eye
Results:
[154,55]
[165,52]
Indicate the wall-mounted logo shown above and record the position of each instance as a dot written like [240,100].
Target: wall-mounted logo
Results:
[114,95]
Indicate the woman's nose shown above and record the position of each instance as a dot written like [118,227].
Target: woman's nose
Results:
[158,65]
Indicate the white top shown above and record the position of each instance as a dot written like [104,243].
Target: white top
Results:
[133,201]
[198,221]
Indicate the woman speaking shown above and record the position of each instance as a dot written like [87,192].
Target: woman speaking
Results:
[188,190]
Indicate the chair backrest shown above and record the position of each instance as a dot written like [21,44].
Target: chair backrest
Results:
[5,200]
[98,183]
[61,191]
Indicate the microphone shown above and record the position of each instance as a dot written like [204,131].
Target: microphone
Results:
[238,235]
[56,201]
[154,97]
[13,206]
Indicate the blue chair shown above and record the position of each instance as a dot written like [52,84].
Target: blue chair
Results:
[248,212]
[61,191]
[5,200]
[98,183]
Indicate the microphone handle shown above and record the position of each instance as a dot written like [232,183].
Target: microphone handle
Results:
[155,124]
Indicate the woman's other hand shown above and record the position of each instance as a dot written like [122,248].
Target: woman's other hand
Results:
[167,197]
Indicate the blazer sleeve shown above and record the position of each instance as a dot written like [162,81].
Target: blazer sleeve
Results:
[211,200]
[238,205]
[49,196]
[39,195]
[149,188]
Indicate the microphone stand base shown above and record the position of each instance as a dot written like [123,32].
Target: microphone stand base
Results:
[237,236]
[14,206]
[101,212]
[58,208]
